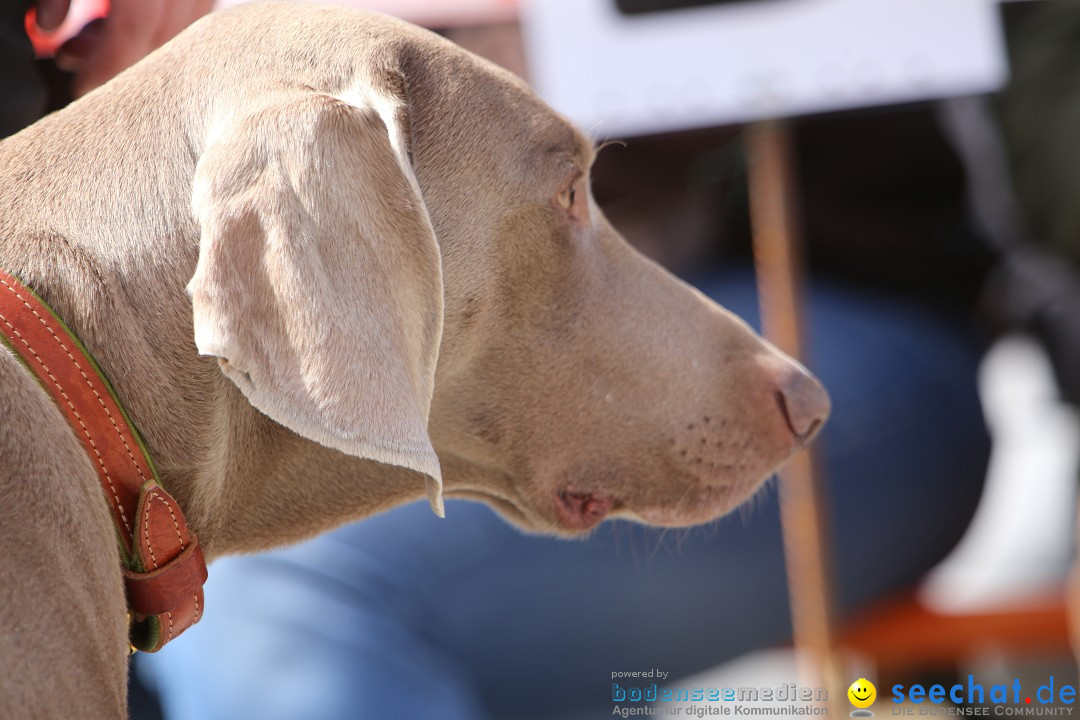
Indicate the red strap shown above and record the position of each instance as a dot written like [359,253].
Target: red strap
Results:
[164,567]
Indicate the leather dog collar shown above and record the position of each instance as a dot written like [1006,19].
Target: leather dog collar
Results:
[163,565]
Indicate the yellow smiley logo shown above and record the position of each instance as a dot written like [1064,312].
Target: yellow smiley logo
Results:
[862,693]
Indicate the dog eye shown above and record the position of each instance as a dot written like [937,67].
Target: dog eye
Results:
[567,196]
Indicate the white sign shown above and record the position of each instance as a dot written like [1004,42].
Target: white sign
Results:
[620,75]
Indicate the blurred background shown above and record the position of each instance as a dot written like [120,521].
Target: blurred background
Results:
[933,161]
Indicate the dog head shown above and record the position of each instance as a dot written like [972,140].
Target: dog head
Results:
[403,262]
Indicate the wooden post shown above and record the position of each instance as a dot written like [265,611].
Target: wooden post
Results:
[778,260]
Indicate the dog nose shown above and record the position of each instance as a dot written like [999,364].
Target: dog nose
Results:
[803,401]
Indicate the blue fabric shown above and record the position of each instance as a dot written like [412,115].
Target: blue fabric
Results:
[406,616]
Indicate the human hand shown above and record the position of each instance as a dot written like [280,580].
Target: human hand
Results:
[129,32]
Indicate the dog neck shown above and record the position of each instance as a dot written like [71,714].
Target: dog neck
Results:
[244,482]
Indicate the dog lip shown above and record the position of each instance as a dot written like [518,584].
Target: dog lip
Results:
[582,510]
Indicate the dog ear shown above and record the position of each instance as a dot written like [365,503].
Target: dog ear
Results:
[319,280]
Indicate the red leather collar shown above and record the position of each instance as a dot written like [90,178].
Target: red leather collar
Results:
[163,565]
